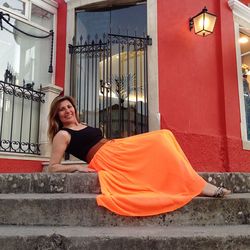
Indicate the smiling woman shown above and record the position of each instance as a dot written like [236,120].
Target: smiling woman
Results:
[126,166]
[66,113]
[55,124]
[66,133]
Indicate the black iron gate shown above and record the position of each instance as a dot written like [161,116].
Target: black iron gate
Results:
[109,80]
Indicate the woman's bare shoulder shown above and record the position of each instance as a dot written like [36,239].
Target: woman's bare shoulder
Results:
[62,135]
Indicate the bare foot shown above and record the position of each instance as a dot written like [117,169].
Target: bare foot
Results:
[221,192]
[213,191]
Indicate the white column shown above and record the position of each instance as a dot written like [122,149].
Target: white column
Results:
[153,87]
[51,91]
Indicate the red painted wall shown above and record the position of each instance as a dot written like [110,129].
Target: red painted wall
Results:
[28,166]
[245,1]
[20,166]
[198,89]
[61,43]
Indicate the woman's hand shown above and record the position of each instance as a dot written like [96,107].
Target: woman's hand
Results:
[84,169]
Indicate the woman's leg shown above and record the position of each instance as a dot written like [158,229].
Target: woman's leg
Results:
[209,189]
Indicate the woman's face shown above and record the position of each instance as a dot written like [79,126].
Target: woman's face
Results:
[66,113]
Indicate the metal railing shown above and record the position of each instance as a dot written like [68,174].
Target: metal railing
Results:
[19,118]
[109,79]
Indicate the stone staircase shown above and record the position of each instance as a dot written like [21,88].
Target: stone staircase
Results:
[59,211]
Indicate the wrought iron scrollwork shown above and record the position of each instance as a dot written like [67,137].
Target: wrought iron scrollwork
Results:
[15,101]
[22,92]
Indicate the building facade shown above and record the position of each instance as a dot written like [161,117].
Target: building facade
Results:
[133,66]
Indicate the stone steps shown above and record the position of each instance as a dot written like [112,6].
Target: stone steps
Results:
[129,238]
[81,209]
[59,211]
[88,182]
[49,183]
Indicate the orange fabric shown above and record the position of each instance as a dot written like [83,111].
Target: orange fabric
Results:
[145,174]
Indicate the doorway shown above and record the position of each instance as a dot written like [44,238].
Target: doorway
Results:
[109,69]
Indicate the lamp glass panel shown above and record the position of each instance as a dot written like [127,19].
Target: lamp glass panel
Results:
[209,22]
[198,23]
[204,24]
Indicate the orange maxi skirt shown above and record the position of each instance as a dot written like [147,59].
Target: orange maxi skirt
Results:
[145,174]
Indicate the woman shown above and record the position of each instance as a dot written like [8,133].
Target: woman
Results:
[141,175]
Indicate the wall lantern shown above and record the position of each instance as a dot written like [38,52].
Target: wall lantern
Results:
[203,23]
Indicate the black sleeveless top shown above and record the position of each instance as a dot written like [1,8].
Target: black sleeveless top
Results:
[82,140]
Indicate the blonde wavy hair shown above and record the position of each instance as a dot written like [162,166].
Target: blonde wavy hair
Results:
[54,122]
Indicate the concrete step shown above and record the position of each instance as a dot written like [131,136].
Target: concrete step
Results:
[49,183]
[81,209]
[125,238]
[88,182]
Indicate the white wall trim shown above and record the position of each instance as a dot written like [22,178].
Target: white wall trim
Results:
[26,157]
[48,5]
[241,15]
[52,3]
[240,11]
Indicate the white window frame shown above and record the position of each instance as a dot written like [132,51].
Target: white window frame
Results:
[16,13]
[48,5]
[241,14]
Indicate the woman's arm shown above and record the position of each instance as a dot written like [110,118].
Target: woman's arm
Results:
[59,145]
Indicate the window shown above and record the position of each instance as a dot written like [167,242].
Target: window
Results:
[25,61]
[27,58]
[131,20]
[111,78]
[42,17]
[242,41]
[15,6]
